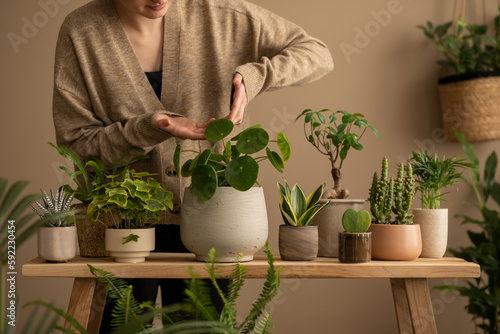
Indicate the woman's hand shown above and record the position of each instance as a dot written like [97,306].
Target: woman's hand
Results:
[240,100]
[181,127]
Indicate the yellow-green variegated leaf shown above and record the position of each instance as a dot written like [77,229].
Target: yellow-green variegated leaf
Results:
[315,196]
[298,201]
[286,218]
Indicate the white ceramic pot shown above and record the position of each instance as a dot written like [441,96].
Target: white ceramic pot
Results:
[232,222]
[434,227]
[56,244]
[329,221]
[133,251]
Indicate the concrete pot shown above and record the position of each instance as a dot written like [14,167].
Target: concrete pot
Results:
[395,242]
[298,243]
[329,222]
[133,251]
[56,244]
[91,234]
[232,222]
[355,247]
[434,227]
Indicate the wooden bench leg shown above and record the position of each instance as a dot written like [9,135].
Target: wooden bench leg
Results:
[413,305]
[86,303]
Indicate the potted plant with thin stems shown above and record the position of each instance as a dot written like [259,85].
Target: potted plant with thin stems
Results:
[298,239]
[433,175]
[333,134]
[222,208]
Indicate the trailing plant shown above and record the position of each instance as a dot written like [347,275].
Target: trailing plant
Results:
[60,203]
[333,134]
[434,174]
[381,195]
[404,190]
[467,48]
[483,293]
[235,167]
[296,209]
[356,221]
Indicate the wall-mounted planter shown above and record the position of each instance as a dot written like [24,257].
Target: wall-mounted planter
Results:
[355,247]
[298,243]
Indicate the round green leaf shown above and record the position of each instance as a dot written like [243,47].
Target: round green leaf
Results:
[204,182]
[218,129]
[241,173]
[186,171]
[275,160]
[252,141]
[284,146]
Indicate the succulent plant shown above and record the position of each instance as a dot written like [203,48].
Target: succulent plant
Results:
[356,221]
[296,209]
[404,190]
[382,195]
[54,204]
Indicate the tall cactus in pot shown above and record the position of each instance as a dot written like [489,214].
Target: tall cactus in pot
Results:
[403,194]
[382,195]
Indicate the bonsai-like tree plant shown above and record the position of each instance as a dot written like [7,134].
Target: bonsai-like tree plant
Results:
[333,134]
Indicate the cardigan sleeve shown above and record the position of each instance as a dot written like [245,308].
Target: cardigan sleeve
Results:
[288,56]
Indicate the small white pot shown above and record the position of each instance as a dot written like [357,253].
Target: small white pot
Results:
[232,222]
[133,251]
[434,228]
[56,244]
[329,222]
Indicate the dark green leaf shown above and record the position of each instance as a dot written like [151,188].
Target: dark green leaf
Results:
[252,141]
[177,159]
[235,138]
[241,173]
[204,182]
[130,237]
[218,129]
[489,174]
[275,160]
[343,152]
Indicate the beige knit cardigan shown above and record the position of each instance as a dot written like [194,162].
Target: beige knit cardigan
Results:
[103,102]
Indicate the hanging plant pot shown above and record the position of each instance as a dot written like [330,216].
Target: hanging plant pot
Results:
[56,243]
[132,251]
[355,247]
[434,227]
[395,242]
[298,243]
[471,105]
[232,222]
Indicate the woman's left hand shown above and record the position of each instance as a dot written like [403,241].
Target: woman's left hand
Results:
[240,100]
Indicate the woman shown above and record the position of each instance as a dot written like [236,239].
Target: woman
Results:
[151,73]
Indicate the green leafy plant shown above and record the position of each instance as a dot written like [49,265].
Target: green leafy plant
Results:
[467,48]
[53,204]
[235,167]
[434,174]
[356,221]
[483,292]
[296,209]
[333,134]
[388,196]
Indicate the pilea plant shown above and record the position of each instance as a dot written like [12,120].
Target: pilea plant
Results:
[333,134]
[387,196]
[235,167]
[356,221]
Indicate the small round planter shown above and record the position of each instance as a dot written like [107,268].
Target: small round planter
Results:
[329,222]
[232,222]
[298,243]
[133,251]
[355,247]
[395,242]
[56,244]
[434,227]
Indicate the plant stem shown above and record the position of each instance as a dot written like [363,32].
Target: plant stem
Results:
[337,184]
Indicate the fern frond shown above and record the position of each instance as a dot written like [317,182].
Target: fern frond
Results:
[198,295]
[113,285]
[264,325]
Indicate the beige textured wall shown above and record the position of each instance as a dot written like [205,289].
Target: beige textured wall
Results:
[390,76]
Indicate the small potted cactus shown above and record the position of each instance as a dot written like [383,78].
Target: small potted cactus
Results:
[298,239]
[397,239]
[56,241]
[355,243]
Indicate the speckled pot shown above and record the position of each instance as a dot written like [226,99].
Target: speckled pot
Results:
[298,243]
[434,226]
[232,222]
[56,244]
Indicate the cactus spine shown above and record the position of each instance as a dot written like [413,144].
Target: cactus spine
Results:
[382,195]
[404,192]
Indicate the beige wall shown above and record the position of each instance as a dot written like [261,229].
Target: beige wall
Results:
[391,78]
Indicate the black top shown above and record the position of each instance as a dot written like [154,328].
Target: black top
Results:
[155,81]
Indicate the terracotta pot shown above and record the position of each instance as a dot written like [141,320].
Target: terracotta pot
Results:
[232,222]
[395,242]
[91,234]
[329,222]
[133,251]
[355,247]
[434,227]
[298,243]
[56,244]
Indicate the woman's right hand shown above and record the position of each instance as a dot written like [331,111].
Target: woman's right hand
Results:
[181,127]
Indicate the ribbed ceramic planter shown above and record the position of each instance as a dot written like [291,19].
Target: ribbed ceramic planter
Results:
[395,242]
[329,222]
[56,244]
[434,227]
[232,222]
[298,243]
[91,234]
[355,247]
[133,251]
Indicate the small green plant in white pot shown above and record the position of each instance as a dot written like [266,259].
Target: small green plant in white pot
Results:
[433,175]
[56,239]
[222,208]
[298,239]
[334,134]
[355,243]
[135,202]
